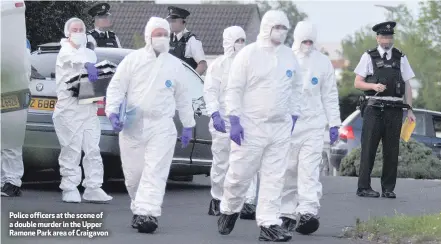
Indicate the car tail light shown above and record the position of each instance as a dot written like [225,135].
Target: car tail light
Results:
[101,108]
[346,132]
[19,4]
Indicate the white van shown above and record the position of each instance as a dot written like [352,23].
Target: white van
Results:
[15,74]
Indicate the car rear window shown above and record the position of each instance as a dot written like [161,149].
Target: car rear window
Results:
[44,63]
[420,128]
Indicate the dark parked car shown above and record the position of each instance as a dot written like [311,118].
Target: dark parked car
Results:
[41,148]
[427,131]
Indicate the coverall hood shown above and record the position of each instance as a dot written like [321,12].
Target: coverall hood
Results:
[69,22]
[230,36]
[304,30]
[269,20]
[153,24]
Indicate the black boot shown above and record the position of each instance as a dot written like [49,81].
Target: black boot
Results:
[367,193]
[288,224]
[10,190]
[388,194]
[135,221]
[214,208]
[274,233]
[225,223]
[308,224]
[147,224]
[248,211]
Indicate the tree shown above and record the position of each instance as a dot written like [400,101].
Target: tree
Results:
[418,38]
[45,19]
[294,15]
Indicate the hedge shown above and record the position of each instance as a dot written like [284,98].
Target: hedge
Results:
[415,161]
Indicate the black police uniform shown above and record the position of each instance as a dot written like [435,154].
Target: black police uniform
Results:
[105,38]
[178,47]
[382,119]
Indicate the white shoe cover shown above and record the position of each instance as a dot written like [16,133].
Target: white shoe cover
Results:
[71,196]
[96,195]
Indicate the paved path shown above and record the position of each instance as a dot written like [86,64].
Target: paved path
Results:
[185,218]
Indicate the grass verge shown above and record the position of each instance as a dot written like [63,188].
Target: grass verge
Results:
[399,229]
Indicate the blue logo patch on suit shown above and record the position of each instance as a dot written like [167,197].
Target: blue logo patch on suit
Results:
[168,83]
[289,73]
[314,80]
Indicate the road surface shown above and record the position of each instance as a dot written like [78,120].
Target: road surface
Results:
[185,218]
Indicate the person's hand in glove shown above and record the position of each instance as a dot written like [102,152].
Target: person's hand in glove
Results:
[186,136]
[218,122]
[116,124]
[294,120]
[236,132]
[92,72]
[333,134]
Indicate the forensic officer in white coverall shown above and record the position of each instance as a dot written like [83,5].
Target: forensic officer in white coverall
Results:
[260,101]
[12,168]
[155,85]
[77,126]
[319,106]
[214,95]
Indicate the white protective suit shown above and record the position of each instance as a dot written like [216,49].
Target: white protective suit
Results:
[260,92]
[319,106]
[214,96]
[155,87]
[77,127]
[12,166]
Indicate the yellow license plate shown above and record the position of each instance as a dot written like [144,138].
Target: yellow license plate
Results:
[10,102]
[43,103]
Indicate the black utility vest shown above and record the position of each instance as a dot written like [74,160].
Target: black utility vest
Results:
[386,72]
[177,48]
[102,40]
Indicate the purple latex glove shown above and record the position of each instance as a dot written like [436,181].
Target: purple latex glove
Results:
[186,136]
[218,122]
[92,72]
[236,132]
[333,134]
[116,124]
[294,120]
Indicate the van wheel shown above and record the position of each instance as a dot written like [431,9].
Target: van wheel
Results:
[185,178]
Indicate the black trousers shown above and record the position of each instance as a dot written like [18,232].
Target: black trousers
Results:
[380,124]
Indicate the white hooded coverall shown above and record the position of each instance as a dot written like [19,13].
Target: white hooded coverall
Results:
[12,168]
[319,106]
[77,126]
[214,96]
[155,87]
[260,92]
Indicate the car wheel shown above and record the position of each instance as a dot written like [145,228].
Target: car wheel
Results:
[185,178]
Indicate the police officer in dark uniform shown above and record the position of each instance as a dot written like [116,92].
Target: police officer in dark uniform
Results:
[183,43]
[101,36]
[383,74]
